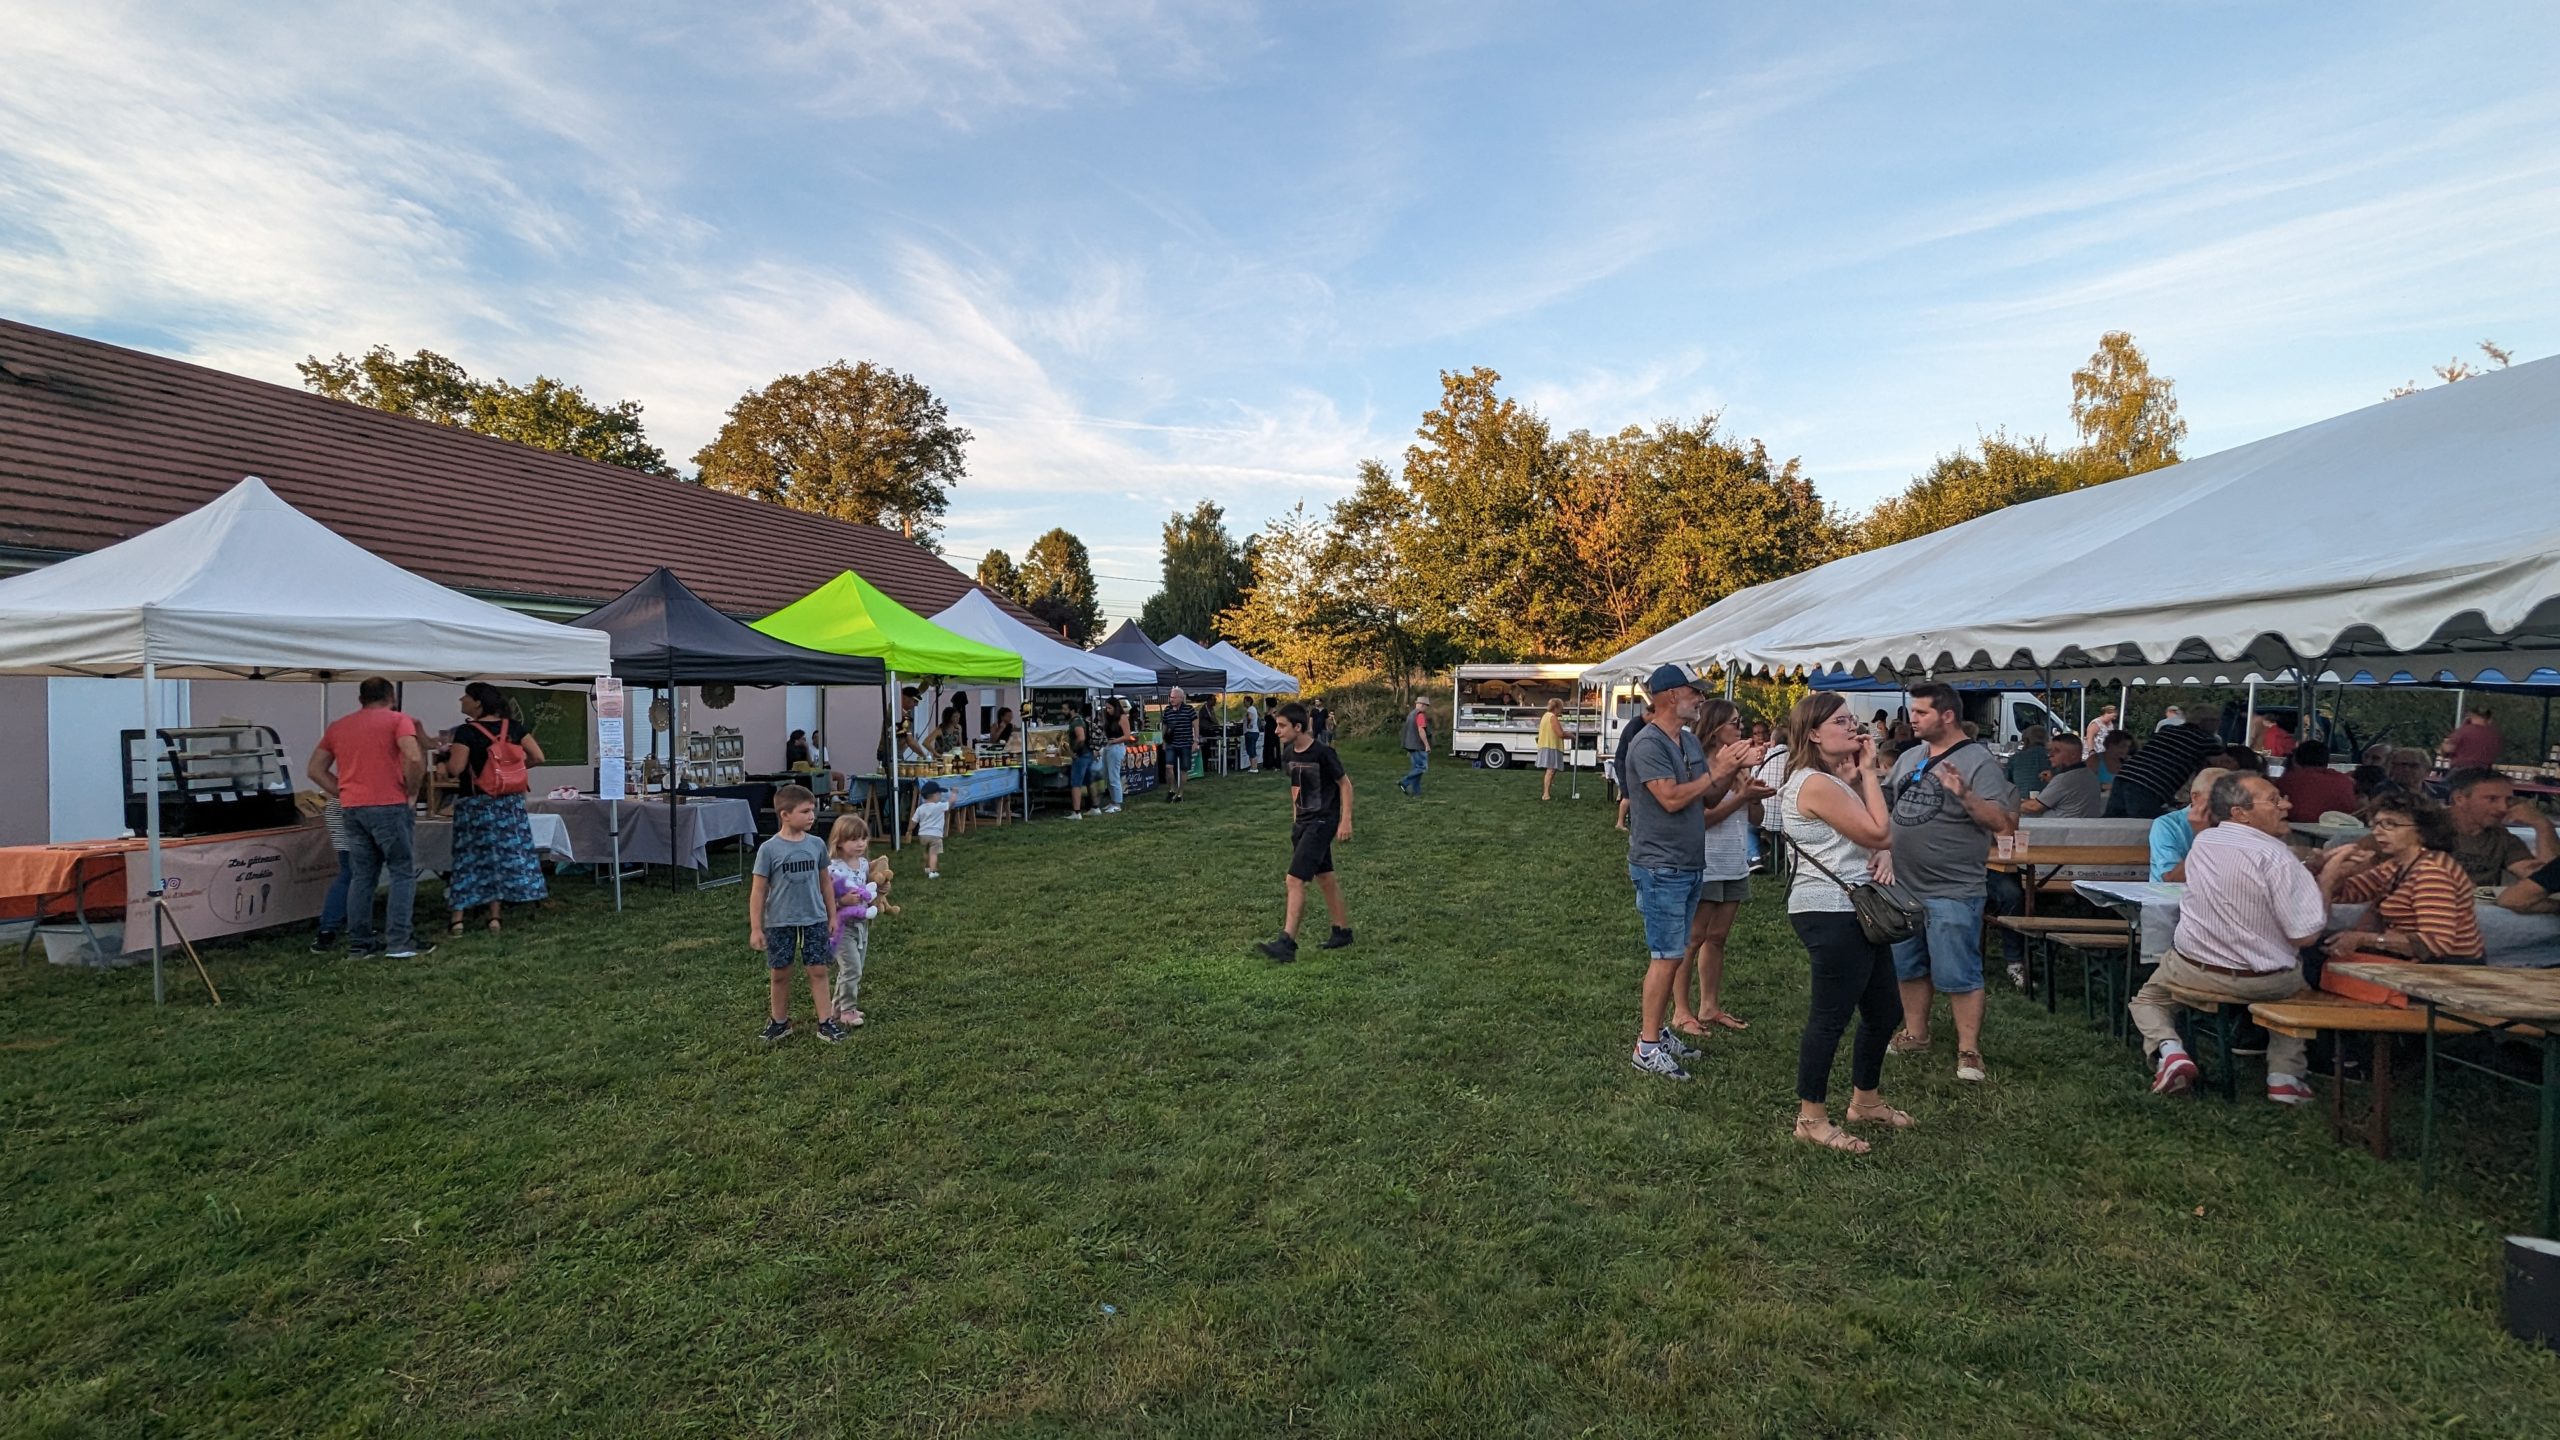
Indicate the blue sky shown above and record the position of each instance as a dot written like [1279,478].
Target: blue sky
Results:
[1152,253]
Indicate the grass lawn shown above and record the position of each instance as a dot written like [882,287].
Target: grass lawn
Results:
[1094,1168]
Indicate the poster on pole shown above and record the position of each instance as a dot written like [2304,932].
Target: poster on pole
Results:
[612,770]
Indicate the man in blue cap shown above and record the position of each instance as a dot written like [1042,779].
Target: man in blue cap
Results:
[1669,782]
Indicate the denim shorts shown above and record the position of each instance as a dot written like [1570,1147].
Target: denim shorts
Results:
[1665,899]
[1080,772]
[808,942]
[1948,949]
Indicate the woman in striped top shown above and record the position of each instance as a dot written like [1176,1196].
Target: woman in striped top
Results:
[2420,894]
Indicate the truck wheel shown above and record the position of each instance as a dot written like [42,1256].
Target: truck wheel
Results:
[1494,757]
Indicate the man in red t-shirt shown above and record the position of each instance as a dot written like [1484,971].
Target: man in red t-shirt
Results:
[2474,742]
[370,762]
[2313,788]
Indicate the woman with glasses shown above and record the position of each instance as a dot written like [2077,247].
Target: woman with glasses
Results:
[2420,895]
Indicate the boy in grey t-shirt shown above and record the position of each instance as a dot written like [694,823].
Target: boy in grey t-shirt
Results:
[788,913]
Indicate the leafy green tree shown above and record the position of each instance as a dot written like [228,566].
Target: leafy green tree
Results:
[546,414]
[858,442]
[1964,485]
[1281,616]
[2128,417]
[1057,586]
[1205,573]
[1369,600]
[998,573]
[1659,523]
[1479,547]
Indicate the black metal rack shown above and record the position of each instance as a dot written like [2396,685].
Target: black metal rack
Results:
[213,779]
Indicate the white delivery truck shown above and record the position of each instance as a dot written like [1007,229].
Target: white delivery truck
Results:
[2002,715]
[1494,712]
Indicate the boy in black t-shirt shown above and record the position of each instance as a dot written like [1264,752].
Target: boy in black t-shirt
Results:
[1319,814]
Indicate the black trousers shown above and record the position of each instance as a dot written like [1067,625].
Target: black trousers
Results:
[1851,974]
[2129,801]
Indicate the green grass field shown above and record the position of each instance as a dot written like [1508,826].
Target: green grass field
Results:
[1095,1169]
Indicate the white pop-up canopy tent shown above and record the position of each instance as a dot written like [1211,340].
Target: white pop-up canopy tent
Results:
[250,588]
[1251,675]
[1047,663]
[2418,529]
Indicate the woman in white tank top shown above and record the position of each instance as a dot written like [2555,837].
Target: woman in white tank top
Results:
[1832,806]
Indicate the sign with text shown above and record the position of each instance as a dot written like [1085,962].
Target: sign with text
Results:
[232,885]
[612,769]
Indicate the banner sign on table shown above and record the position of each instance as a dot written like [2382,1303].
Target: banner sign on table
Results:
[611,766]
[231,887]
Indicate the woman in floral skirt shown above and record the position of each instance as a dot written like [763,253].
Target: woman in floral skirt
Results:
[493,859]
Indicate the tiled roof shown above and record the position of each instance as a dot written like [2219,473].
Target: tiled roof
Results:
[99,443]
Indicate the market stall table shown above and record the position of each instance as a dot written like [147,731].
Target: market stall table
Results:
[974,788]
[433,841]
[645,827]
[2521,1004]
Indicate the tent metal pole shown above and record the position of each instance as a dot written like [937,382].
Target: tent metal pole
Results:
[897,816]
[675,766]
[151,816]
[2249,718]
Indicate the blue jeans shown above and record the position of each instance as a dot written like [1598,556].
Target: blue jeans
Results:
[1114,759]
[1665,899]
[379,837]
[1948,949]
[1411,784]
[333,910]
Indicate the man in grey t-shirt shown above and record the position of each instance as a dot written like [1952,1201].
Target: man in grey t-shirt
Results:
[2070,789]
[1949,797]
[1670,783]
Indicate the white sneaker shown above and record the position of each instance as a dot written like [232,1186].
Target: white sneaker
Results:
[1075,814]
[1110,809]
[1657,1060]
[1680,1049]
[933,874]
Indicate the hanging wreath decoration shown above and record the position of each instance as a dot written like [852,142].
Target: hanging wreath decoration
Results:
[719,697]
[659,715]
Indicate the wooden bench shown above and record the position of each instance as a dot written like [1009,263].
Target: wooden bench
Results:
[2042,932]
[2310,1014]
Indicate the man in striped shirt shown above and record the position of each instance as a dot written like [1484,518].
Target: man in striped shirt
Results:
[2157,775]
[1181,730]
[2249,908]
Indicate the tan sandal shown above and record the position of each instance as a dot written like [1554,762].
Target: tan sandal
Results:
[1729,1020]
[1882,1115]
[1695,1029]
[1830,1137]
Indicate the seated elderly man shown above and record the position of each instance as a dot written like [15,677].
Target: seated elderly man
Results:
[2407,768]
[2068,789]
[2034,758]
[2311,787]
[2481,808]
[2249,909]
[2151,782]
[2174,834]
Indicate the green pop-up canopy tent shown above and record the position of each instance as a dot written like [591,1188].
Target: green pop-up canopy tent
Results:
[849,616]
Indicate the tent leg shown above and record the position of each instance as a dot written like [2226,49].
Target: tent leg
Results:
[889,718]
[151,816]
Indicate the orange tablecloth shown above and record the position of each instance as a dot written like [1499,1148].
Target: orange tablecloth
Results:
[31,873]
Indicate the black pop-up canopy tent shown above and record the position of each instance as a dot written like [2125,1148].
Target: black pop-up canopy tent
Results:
[664,635]
[1131,645]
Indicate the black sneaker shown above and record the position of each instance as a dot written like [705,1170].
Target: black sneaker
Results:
[828,1030]
[325,943]
[777,1030]
[1340,939]
[1283,948]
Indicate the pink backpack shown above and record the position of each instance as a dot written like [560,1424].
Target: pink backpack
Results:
[504,773]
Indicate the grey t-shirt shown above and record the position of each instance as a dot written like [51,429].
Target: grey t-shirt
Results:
[1660,839]
[795,881]
[1938,852]
[2072,795]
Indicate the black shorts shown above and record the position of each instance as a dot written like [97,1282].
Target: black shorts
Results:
[1311,848]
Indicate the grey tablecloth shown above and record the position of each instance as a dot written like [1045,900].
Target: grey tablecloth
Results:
[2519,942]
[644,828]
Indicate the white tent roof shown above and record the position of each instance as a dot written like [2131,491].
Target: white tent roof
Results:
[1252,675]
[1192,652]
[248,586]
[1046,663]
[2419,529]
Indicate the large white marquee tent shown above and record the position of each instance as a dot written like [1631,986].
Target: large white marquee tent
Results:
[2421,529]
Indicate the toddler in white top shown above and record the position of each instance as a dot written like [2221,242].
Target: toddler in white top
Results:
[929,822]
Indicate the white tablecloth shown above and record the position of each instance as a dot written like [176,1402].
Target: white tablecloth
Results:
[2055,830]
[2517,942]
[434,844]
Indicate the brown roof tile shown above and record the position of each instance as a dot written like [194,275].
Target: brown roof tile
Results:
[99,443]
